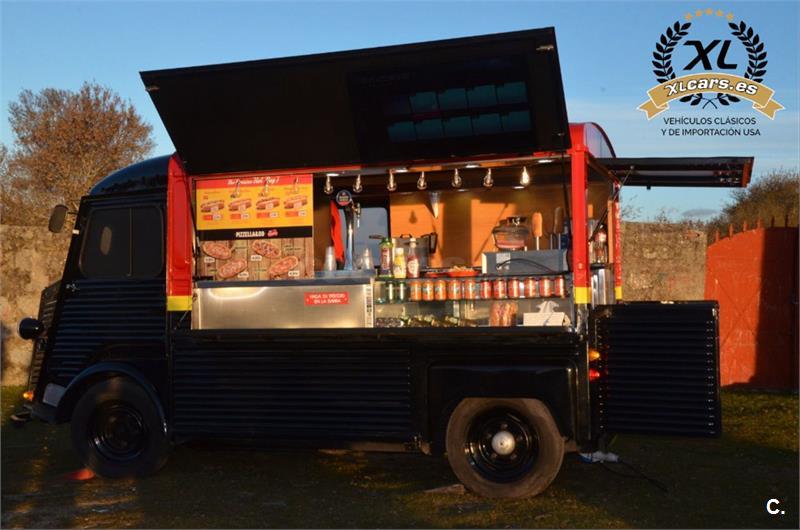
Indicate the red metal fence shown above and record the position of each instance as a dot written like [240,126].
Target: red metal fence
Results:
[754,276]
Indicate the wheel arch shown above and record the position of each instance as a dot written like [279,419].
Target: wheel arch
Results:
[102,372]
[552,383]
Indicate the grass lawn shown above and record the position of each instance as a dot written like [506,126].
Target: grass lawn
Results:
[711,483]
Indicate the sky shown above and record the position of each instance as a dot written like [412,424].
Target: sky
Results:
[605,51]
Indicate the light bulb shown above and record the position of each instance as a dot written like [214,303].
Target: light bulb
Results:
[525,178]
[328,189]
[456,182]
[421,182]
[488,181]
[357,187]
[392,185]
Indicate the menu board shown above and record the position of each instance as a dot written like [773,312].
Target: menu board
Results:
[255,202]
[255,227]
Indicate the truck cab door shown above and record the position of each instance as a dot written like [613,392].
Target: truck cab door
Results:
[112,303]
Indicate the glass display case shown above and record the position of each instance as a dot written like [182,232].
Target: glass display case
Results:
[475,301]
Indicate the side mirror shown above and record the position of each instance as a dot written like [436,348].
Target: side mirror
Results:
[57,217]
[30,328]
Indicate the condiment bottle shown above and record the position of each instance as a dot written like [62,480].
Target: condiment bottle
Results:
[399,266]
[386,258]
[412,265]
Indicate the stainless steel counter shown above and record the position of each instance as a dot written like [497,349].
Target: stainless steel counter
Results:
[285,304]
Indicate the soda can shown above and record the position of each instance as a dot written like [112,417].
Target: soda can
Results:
[415,291]
[391,293]
[485,290]
[546,287]
[499,288]
[440,289]
[514,290]
[470,289]
[560,287]
[427,290]
[531,288]
[401,291]
[454,289]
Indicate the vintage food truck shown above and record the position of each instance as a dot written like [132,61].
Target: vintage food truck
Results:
[401,248]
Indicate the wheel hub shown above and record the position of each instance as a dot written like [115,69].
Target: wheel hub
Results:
[503,443]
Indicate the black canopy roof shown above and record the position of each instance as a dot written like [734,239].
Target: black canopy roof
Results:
[718,171]
[476,96]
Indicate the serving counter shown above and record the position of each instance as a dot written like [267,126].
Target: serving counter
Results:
[338,302]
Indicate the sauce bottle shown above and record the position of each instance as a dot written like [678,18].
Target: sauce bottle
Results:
[412,265]
[399,266]
[386,258]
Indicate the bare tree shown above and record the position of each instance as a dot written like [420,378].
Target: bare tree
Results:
[771,196]
[64,142]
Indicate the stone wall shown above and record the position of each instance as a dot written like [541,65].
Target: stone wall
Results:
[661,262]
[30,259]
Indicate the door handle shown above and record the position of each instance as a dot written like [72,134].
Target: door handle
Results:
[71,288]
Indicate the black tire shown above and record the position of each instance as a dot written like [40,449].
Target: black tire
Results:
[117,430]
[478,427]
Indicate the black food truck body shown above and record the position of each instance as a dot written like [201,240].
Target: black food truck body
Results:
[195,301]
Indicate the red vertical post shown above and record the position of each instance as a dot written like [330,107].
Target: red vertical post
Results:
[580,246]
[179,238]
[617,244]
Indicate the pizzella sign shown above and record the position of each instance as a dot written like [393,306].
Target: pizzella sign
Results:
[710,78]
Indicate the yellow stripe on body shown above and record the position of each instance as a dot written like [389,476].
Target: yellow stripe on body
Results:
[179,303]
[582,295]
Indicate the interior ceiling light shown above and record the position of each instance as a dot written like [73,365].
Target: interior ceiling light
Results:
[488,181]
[545,161]
[357,187]
[331,174]
[456,182]
[328,188]
[472,166]
[392,185]
[525,178]
[401,170]
[421,182]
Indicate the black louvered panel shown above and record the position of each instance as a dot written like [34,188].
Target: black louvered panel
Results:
[47,306]
[660,366]
[106,317]
[256,389]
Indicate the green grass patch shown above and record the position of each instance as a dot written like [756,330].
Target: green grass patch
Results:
[711,483]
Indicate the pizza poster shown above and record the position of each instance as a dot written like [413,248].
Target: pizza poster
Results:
[257,259]
[257,201]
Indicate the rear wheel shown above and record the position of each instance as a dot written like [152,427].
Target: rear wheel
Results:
[117,431]
[504,447]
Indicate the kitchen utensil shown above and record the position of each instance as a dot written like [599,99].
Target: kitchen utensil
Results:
[558,224]
[537,227]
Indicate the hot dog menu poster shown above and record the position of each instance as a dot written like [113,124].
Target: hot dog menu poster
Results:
[254,202]
[255,227]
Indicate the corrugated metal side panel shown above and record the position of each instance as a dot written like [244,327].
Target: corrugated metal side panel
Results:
[47,307]
[254,387]
[661,368]
[105,315]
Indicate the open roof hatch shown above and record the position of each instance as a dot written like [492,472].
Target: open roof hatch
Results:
[490,95]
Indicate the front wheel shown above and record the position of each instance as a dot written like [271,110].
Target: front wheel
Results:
[117,431]
[504,447]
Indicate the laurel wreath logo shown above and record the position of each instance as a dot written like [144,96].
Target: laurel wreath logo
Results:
[756,65]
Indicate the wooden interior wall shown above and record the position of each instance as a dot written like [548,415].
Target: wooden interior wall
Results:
[466,219]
